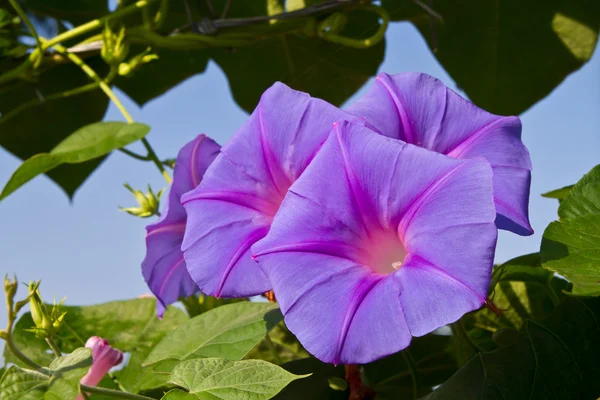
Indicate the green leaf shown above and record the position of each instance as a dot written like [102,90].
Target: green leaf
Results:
[572,249]
[571,246]
[201,303]
[559,194]
[75,11]
[521,289]
[323,69]
[584,198]
[391,376]
[130,326]
[315,386]
[158,76]
[215,378]
[491,49]
[278,346]
[90,142]
[22,384]
[62,383]
[42,126]
[177,394]
[67,371]
[228,332]
[555,359]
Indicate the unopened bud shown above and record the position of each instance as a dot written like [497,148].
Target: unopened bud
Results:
[148,202]
[128,68]
[10,287]
[114,47]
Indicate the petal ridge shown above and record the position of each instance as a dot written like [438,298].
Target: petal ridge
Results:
[372,281]
[469,141]
[241,250]
[169,274]
[409,134]
[418,202]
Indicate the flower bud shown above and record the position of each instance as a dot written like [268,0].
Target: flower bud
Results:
[10,288]
[104,357]
[35,304]
[148,202]
[136,62]
[114,47]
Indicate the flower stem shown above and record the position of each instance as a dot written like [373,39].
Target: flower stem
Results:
[113,97]
[113,393]
[15,4]
[17,353]
[53,346]
[459,328]
[413,372]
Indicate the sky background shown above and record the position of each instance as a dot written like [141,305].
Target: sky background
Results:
[90,252]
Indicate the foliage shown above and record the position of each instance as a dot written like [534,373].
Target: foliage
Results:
[539,335]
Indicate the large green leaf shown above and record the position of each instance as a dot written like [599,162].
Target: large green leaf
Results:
[177,394]
[67,371]
[229,332]
[158,76]
[391,377]
[130,326]
[22,384]
[315,386]
[329,71]
[62,382]
[278,346]
[571,246]
[584,197]
[216,378]
[507,55]
[74,11]
[42,126]
[85,144]
[555,359]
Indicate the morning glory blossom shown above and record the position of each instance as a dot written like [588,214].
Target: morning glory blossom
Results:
[164,267]
[379,241]
[243,188]
[419,109]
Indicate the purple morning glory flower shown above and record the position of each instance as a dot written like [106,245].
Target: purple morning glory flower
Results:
[378,241]
[164,267]
[421,110]
[242,190]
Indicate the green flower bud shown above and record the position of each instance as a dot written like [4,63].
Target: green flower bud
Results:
[148,203]
[36,306]
[10,287]
[136,62]
[114,47]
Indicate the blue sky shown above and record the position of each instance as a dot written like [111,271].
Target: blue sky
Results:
[90,252]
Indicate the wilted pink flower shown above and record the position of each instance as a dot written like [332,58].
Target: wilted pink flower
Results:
[104,357]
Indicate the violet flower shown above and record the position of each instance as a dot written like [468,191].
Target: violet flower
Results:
[421,110]
[378,241]
[104,357]
[243,188]
[164,267]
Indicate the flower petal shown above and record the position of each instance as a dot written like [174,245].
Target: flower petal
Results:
[164,267]
[360,187]
[421,110]
[242,190]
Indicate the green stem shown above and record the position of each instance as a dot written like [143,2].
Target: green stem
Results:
[73,33]
[413,372]
[361,43]
[15,4]
[53,346]
[113,393]
[273,349]
[17,353]
[134,155]
[113,97]
[98,23]
[459,328]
